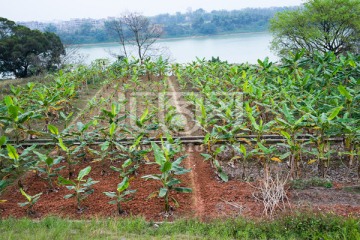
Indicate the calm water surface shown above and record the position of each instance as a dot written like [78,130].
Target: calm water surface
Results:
[235,48]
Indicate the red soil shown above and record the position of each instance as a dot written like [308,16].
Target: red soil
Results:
[210,199]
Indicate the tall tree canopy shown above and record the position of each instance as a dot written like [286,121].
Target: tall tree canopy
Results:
[24,52]
[319,25]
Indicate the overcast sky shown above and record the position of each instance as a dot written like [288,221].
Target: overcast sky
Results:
[45,10]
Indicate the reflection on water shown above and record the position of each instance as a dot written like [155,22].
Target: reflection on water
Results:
[234,48]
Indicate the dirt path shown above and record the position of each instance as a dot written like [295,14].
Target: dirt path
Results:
[198,201]
[86,108]
[177,100]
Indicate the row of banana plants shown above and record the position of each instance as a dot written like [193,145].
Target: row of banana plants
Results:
[315,98]
[110,122]
[29,109]
[113,119]
[49,168]
[123,158]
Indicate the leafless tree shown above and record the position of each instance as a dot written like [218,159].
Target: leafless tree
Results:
[136,31]
[73,56]
[117,27]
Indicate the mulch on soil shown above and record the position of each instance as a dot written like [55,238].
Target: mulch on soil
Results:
[215,196]
[210,199]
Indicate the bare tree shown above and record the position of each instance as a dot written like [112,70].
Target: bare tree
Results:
[117,27]
[73,56]
[136,31]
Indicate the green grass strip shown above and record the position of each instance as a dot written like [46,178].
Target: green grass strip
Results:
[302,226]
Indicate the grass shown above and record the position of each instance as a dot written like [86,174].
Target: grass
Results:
[353,189]
[5,84]
[300,226]
[312,182]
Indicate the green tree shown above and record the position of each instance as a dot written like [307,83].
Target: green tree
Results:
[24,51]
[320,25]
[6,27]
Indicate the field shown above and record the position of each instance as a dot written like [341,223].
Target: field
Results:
[205,140]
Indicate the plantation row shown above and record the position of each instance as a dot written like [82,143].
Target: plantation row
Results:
[107,116]
[317,97]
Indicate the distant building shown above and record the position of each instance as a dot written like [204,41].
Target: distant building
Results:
[69,25]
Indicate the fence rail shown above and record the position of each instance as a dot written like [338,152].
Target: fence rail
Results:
[269,139]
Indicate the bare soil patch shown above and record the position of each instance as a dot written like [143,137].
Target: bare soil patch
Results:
[210,199]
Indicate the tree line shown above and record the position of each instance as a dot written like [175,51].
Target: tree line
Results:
[191,23]
[318,26]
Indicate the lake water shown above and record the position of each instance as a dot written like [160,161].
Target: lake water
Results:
[234,48]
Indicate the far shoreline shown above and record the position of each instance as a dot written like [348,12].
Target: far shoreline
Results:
[171,38]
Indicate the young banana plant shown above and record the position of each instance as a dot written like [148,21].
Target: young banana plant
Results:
[266,155]
[259,128]
[19,162]
[322,124]
[47,167]
[31,201]
[69,151]
[66,118]
[84,137]
[111,144]
[121,195]
[350,127]
[15,120]
[164,157]
[3,141]
[80,187]
[215,163]
[291,127]
[246,156]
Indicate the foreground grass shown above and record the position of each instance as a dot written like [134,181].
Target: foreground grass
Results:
[290,227]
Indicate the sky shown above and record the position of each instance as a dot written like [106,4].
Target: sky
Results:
[48,10]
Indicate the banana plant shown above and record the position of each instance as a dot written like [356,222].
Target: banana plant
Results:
[266,155]
[121,195]
[47,167]
[84,137]
[134,153]
[110,146]
[169,168]
[49,104]
[203,119]
[350,125]
[260,127]
[290,127]
[215,163]
[112,116]
[69,150]
[246,156]
[322,124]
[350,128]
[3,157]
[127,168]
[66,118]
[19,162]
[80,187]
[31,201]
[15,120]
[149,68]
[111,142]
